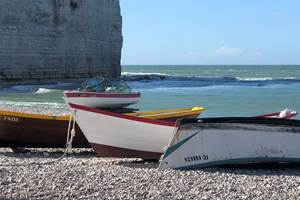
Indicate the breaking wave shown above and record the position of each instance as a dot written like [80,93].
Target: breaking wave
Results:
[128,76]
[266,79]
[43,91]
[38,89]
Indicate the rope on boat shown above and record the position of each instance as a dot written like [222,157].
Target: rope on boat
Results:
[73,133]
[70,136]
[176,129]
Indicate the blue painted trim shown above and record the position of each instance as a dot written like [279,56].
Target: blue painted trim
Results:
[239,161]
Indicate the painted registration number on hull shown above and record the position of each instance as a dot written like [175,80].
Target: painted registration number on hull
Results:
[196,158]
[9,118]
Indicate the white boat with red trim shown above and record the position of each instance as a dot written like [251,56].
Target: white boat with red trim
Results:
[118,135]
[101,100]
[285,114]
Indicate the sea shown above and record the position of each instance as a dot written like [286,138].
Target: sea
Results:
[223,90]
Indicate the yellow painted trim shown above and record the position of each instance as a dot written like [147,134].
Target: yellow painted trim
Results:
[160,114]
[34,116]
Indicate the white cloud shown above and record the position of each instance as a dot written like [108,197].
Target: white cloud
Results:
[228,51]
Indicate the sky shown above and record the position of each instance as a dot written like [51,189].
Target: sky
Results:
[204,32]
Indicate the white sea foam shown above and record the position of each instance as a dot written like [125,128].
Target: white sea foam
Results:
[142,73]
[32,104]
[136,76]
[43,91]
[174,76]
[264,78]
[35,107]
[255,79]
[42,88]
[289,78]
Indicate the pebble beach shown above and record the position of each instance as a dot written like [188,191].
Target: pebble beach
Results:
[82,175]
[146,65]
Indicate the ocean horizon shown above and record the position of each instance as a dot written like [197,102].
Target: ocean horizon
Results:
[224,90]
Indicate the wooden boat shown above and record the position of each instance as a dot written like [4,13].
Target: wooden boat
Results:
[208,142]
[101,100]
[99,92]
[35,130]
[285,114]
[118,135]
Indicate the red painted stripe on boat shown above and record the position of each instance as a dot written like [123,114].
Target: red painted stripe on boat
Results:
[113,114]
[276,115]
[267,115]
[102,95]
[118,152]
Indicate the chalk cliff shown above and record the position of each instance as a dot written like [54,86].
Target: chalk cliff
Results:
[51,40]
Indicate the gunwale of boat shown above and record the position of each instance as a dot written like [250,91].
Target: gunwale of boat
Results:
[226,141]
[122,116]
[34,116]
[248,120]
[78,94]
[276,115]
[169,113]
[123,135]
[160,114]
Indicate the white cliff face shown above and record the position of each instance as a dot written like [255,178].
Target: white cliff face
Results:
[45,40]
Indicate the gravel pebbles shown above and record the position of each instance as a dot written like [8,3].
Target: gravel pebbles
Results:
[36,110]
[82,175]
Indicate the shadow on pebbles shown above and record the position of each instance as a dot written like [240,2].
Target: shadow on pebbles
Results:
[40,174]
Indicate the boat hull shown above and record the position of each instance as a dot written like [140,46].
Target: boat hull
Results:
[291,115]
[211,142]
[101,100]
[118,152]
[118,135]
[16,131]
[34,130]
